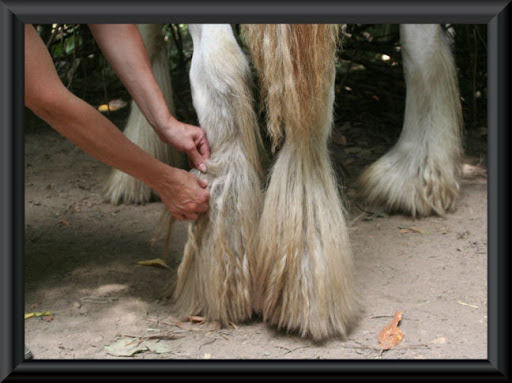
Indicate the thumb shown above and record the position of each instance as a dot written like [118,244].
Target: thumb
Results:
[197,160]
[203,183]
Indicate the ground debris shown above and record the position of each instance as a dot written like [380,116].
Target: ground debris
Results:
[39,314]
[197,319]
[157,262]
[412,229]
[126,347]
[467,304]
[129,345]
[196,323]
[391,335]
[101,300]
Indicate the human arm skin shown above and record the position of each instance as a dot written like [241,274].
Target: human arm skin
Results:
[184,195]
[124,49]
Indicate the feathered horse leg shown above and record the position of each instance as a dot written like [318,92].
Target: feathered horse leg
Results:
[121,186]
[214,278]
[303,277]
[419,175]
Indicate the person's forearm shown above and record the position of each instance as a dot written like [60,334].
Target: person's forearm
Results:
[183,194]
[123,47]
[97,136]
[48,98]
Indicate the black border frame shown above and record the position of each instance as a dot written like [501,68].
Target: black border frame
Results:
[14,13]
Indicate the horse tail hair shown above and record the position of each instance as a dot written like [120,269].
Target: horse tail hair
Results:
[294,63]
[303,277]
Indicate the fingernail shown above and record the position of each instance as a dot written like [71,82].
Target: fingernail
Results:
[202,168]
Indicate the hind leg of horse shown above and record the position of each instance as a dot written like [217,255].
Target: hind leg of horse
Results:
[418,176]
[120,186]
[304,271]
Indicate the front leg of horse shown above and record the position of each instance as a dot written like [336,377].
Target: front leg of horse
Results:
[419,175]
[215,276]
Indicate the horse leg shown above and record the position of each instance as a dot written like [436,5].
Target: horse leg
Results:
[304,274]
[215,277]
[121,186]
[419,175]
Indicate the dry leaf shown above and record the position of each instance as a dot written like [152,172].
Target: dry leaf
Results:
[196,319]
[391,335]
[48,318]
[173,322]
[157,347]
[415,229]
[158,262]
[126,347]
[64,222]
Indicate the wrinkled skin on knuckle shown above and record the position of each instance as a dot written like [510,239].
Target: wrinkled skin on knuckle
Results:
[189,146]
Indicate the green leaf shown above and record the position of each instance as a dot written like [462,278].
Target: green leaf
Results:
[30,315]
[158,262]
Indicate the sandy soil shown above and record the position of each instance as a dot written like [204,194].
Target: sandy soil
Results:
[81,266]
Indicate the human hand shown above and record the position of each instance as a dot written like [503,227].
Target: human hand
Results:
[189,139]
[184,194]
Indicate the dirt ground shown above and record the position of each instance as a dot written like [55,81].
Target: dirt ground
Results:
[81,270]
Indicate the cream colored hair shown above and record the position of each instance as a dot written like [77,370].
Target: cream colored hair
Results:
[304,273]
[121,186]
[215,276]
[419,175]
[285,253]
